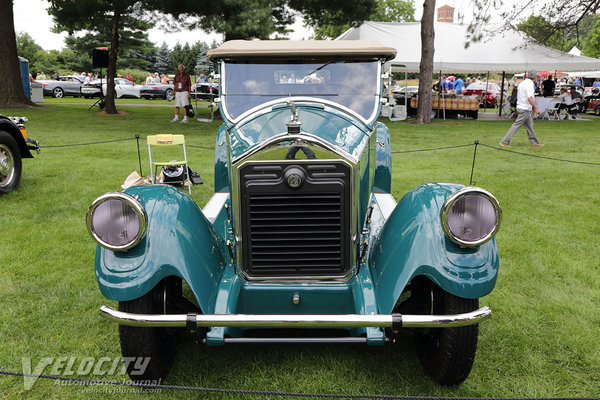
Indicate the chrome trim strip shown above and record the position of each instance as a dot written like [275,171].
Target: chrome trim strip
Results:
[386,204]
[139,209]
[215,204]
[297,321]
[285,137]
[452,199]
[326,340]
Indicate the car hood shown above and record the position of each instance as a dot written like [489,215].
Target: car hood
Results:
[342,131]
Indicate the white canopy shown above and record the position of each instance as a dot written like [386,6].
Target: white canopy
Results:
[507,51]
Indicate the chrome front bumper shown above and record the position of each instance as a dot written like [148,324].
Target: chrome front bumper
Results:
[296,321]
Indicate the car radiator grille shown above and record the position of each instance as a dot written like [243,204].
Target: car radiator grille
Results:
[300,232]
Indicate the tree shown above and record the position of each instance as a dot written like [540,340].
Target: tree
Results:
[426,66]
[122,18]
[11,88]
[163,57]
[591,44]
[26,46]
[570,18]
[538,28]
[134,46]
[260,19]
[327,25]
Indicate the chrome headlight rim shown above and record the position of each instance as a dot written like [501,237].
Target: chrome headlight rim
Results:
[448,206]
[137,207]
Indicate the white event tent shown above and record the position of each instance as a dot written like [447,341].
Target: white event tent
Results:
[506,51]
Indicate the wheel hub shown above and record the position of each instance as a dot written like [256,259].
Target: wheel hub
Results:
[6,165]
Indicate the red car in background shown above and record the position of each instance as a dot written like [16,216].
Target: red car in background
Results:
[488,93]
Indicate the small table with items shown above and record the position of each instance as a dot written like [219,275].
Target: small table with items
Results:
[453,106]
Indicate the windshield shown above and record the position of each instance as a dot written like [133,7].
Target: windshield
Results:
[352,84]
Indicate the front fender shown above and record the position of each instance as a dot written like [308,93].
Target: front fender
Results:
[412,243]
[179,241]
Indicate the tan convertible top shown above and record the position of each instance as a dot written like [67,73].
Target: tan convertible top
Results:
[244,49]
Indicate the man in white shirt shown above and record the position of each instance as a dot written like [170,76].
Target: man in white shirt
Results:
[526,110]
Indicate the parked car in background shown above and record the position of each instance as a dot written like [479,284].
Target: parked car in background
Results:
[156,91]
[406,89]
[67,86]
[592,100]
[123,88]
[302,241]
[14,146]
[203,90]
[488,93]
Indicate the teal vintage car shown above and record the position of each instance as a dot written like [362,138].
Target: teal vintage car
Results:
[302,241]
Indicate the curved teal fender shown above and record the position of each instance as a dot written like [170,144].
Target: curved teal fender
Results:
[221,171]
[179,241]
[412,243]
[383,161]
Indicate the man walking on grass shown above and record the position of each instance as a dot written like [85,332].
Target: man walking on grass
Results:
[526,110]
[183,92]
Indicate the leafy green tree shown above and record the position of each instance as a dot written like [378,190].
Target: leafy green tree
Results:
[134,49]
[571,19]
[163,58]
[591,44]
[538,28]
[26,46]
[124,20]
[327,25]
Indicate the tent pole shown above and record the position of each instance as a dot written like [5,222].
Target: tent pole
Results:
[443,97]
[501,94]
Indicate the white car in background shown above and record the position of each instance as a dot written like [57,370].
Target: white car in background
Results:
[123,88]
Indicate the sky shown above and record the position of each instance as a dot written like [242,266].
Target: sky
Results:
[31,17]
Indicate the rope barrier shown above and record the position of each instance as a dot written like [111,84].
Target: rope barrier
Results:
[476,143]
[271,393]
[87,144]
[538,156]
[433,149]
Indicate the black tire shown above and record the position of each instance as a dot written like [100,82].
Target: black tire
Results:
[58,93]
[597,110]
[168,93]
[447,354]
[158,344]
[10,163]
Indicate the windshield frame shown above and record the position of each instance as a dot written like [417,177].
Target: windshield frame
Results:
[303,98]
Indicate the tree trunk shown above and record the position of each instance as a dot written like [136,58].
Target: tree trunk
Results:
[11,86]
[426,66]
[111,72]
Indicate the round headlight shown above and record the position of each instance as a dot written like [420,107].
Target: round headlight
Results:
[117,221]
[471,216]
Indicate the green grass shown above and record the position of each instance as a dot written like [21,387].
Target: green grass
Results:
[543,340]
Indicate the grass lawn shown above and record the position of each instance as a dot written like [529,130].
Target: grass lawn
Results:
[543,339]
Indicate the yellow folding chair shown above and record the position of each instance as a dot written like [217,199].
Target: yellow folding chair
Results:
[168,140]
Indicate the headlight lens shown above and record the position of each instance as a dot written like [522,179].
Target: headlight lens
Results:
[117,221]
[471,216]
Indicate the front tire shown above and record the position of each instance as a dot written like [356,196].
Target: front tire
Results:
[168,93]
[597,110]
[157,344]
[447,354]
[10,163]
[58,93]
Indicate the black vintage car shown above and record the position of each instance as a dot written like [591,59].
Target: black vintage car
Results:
[14,145]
